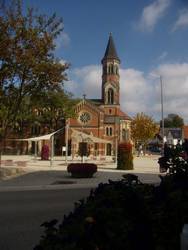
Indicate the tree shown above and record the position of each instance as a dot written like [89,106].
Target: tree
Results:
[28,67]
[143,128]
[173,121]
[53,108]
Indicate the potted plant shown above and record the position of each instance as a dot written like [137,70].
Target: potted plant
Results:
[125,156]
[82,170]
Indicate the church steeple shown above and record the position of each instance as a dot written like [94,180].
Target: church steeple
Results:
[110,52]
[110,74]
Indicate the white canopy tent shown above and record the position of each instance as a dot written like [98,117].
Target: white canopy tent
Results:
[81,136]
[41,138]
[77,135]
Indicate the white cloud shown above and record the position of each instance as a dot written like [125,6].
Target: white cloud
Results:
[152,13]
[135,91]
[139,92]
[175,86]
[86,80]
[182,20]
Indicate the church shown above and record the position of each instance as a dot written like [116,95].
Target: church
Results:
[101,123]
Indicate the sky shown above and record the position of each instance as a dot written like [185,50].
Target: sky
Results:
[151,41]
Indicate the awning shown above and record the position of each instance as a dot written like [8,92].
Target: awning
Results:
[81,136]
[40,138]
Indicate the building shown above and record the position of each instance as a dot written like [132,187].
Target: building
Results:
[185,131]
[100,122]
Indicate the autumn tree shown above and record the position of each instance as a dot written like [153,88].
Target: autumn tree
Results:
[143,128]
[28,67]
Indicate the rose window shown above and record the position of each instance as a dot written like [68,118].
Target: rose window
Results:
[85,117]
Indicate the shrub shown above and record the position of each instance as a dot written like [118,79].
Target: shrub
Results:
[82,170]
[45,152]
[124,214]
[125,156]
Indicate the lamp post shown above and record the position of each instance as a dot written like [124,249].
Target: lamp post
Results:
[162,113]
[162,109]
[66,141]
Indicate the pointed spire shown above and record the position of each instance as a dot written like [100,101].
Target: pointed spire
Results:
[110,52]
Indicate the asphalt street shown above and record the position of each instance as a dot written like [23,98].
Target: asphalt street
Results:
[22,213]
[44,193]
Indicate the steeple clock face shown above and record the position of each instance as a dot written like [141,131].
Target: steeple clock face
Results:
[84,118]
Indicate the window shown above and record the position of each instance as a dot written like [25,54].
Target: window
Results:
[84,117]
[116,70]
[110,96]
[109,131]
[35,129]
[110,69]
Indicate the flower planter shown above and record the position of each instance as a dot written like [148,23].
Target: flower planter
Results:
[82,170]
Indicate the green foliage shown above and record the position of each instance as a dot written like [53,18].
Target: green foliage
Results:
[122,215]
[125,156]
[53,107]
[173,121]
[143,128]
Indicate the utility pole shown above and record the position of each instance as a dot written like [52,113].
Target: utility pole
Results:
[66,141]
[162,109]
[162,114]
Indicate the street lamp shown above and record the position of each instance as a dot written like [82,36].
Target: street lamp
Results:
[66,141]
[162,109]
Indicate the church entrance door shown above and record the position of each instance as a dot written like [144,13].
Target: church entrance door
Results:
[109,149]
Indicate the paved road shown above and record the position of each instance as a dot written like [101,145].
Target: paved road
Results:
[27,201]
[21,214]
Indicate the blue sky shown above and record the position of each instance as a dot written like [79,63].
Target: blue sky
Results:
[150,37]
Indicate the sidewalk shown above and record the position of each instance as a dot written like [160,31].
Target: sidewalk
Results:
[40,175]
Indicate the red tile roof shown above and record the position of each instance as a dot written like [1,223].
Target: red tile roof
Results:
[124,115]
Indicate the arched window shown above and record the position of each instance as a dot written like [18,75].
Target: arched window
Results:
[110,131]
[110,96]
[110,69]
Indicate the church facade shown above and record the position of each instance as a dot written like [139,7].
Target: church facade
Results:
[101,119]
